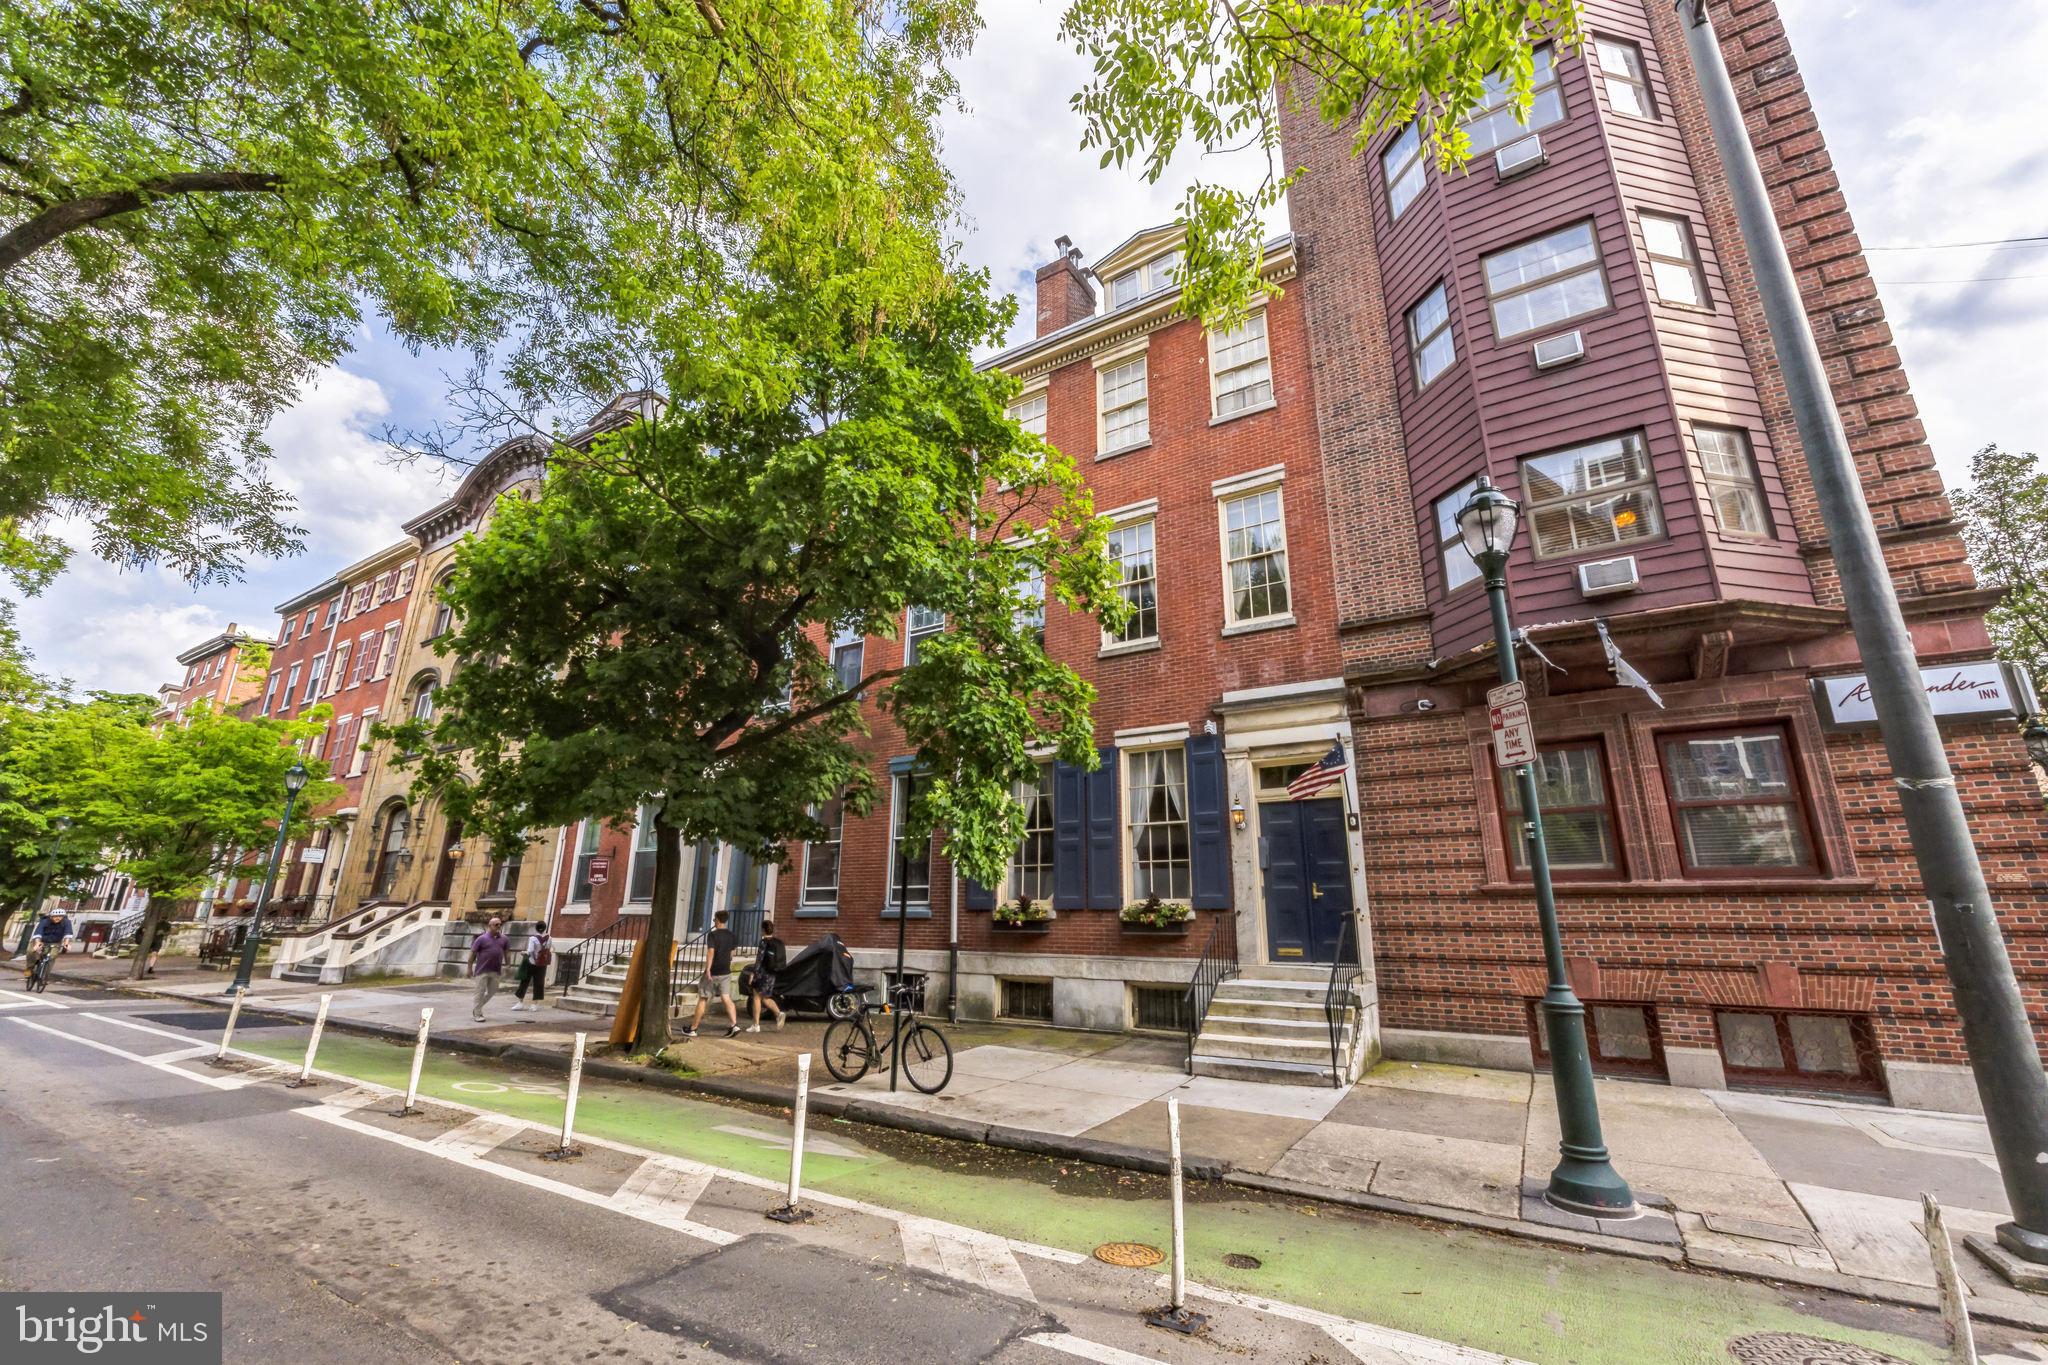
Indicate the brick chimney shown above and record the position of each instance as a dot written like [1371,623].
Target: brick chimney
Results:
[1064,295]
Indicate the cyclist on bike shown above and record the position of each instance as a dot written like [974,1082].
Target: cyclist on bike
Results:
[52,932]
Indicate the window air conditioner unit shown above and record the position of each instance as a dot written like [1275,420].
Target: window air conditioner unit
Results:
[1518,157]
[1605,577]
[1561,349]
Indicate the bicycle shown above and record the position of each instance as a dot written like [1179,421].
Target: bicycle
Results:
[852,1049]
[39,970]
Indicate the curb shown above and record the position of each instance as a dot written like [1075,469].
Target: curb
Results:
[879,1114]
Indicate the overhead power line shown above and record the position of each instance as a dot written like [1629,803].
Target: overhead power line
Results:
[1957,246]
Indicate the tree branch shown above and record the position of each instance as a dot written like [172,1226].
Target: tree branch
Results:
[27,238]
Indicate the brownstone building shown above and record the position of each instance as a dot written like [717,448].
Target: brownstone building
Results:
[1574,317]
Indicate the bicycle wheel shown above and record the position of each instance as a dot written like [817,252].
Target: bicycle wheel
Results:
[927,1057]
[849,1050]
[843,1004]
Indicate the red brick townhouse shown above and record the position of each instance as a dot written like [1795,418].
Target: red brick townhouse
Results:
[1201,449]
[1574,316]
[213,674]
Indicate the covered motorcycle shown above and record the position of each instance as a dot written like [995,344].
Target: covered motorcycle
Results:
[809,980]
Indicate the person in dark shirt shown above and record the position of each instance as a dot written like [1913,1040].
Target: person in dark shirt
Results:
[773,955]
[717,978]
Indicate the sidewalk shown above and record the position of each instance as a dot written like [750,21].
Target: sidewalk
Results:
[1786,1188]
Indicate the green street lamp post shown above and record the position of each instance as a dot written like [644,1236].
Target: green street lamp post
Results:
[35,911]
[2036,736]
[294,783]
[1585,1180]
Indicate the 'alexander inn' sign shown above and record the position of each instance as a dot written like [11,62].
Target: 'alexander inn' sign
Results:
[1973,689]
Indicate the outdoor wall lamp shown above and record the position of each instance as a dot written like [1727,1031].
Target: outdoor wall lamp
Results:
[1237,813]
[2036,736]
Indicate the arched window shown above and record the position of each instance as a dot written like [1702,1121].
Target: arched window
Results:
[424,687]
[391,850]
[444,614]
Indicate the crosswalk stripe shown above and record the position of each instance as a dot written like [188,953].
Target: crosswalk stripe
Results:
[22,998]
[984,1262]
[1069,1344]
[475,1138]
[1373,1344]
[663,1191]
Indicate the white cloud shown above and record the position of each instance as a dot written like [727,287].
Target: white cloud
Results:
[351,499]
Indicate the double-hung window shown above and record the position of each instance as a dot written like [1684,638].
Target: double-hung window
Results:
[360,754]
[1735,800]
[1254,557]
[1028,412]
[1161,847]
[313,677]
[285,637]
[1031,871]
[389,653]
[1029,614]
[640,881]
[1429,335]
[918,624]
[1541,283]
[1621,71]
[821,856]
[1459,569]
[505,873]
[291,685]
[269,694]
[1130,545]
[1497,122]
[340,677]
[423,699]
[1126,410]
[306,626]
[1591,497]
[1131,285]
[1732,483]
[344,731]
[1674,260]
[1578,821]
[366,654]
[849,651]
[586,850]
[1401,163]
[1241,370]
[916,870]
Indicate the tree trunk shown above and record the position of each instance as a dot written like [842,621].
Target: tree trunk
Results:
[661,934]
[144,937]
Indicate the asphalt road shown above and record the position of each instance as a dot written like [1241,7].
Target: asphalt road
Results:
[340,1233]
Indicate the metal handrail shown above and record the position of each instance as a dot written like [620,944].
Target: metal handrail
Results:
[1332,1015]
[1217,965]
[607,944]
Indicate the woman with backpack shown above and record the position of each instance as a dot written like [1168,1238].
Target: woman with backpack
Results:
[540,951]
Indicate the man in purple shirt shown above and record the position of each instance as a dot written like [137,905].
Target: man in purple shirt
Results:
[487,964]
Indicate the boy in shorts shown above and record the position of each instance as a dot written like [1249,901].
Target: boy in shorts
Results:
[717,979]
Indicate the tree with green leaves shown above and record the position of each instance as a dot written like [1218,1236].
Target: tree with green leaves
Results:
[175,807]
[696,566]
[1211,75]
[48,747]
[199,201]
[2004,514]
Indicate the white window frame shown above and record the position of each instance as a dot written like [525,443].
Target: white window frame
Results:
[1687,259]
[337,679]
[1028,796]
[1028,410]
[1456,561]
[912,632]
[1594,266]
[1128,871]
[1751,483]
[1419,344]
[896,814]
[359,757]
[1493,123]
[1141,281]
[1630,72]
[269,693]
[1244,493]
[1120,520]
[291,682]
[836,838]
[366,655]
[1404,171]
[316,676]
[581,855]
[1106,368]
[848,638]
[1258,367]
[387,653]
[641,823]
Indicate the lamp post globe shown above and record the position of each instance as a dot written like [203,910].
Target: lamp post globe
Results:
[1584,1180]
[295,780]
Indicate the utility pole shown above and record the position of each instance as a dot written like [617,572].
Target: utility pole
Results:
[2003,1055]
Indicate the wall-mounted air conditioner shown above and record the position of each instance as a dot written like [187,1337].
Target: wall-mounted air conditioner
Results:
[1518,157]
[1561,349]
[1605,577]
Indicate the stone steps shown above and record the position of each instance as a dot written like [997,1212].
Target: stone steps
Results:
[1271,1030]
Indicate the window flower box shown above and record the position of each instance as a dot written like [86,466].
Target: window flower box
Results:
[1155,916]
[1022,916]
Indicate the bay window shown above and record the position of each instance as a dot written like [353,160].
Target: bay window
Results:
[1592,497]
[1541,283]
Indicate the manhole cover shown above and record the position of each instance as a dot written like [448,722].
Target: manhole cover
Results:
[1792,1348]
[1237,1260]
[1129,1253]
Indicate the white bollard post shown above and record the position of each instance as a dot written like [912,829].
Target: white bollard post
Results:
[568,1148]
[312,1044]
[227,1034]
[1955,1314]
[1175,1316]
[419,1056]
[789,1212]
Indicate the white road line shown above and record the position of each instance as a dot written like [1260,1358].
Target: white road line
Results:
[1363,1339]
[664,1192]
[475,1138]
[23,998]
[158,1063]
[984,1262]
[140,1028]
[813,1146]
[1069,1344]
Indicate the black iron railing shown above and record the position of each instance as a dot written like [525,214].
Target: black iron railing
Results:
[1217,965]
[599,950]
[1337,995]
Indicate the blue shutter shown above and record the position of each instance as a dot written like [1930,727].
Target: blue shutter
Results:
[979,897]
[1069,838]
[1206,823]
[1105,856]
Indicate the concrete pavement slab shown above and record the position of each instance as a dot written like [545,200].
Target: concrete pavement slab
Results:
[1112,1078]
[1249,1142]
[1042,1108]
[1425,1111]
[1251,1097]
[1453,1080]
[1423,1168]
[1961,1136]
[1660,1124]
[1007,1063]
[1847,1156]
[875,1085]
[1761,1199]
[1879,1237]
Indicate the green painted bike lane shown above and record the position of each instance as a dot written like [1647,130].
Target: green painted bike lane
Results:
[1541,1304]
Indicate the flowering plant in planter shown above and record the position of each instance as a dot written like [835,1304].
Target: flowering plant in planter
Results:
[1154,913]
[1023,911]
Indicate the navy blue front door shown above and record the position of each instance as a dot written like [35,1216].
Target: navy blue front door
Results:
[1307,870]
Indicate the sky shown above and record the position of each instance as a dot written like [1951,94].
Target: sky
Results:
[1935,115]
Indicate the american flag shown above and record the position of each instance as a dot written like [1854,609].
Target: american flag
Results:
[1326,772]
